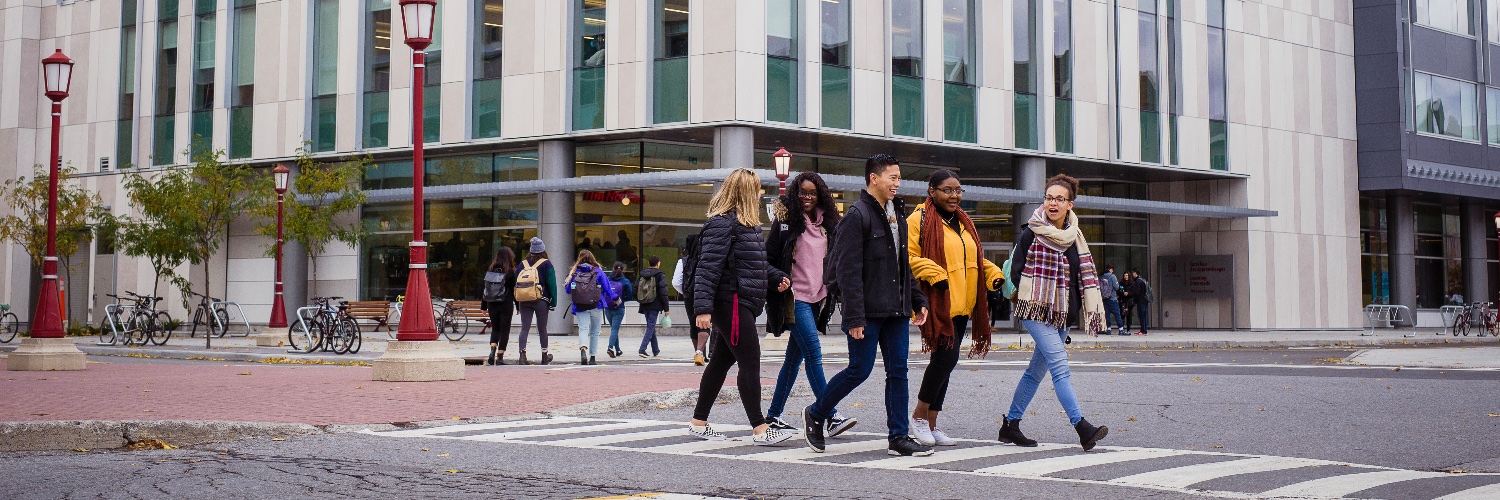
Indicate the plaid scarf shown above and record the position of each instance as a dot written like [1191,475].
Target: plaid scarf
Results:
[1042,294]
[937,332]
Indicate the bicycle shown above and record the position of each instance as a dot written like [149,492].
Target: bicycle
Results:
[212,314]
[328,327]
[1486,318]
[10,325]
[449,319]
[146,324]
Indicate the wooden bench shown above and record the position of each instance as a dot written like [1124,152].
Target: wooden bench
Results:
[378,311]
[468,311]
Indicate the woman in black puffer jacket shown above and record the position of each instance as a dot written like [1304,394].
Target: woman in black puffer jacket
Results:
[729,290]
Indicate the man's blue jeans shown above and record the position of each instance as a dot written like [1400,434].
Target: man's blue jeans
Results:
[1112,312]
[1048,356]
[893,339]
[615,316]
[650,338]
[804,347]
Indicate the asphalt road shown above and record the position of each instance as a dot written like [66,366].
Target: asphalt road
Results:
[1178,408]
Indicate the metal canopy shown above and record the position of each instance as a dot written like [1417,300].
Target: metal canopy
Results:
[836,182]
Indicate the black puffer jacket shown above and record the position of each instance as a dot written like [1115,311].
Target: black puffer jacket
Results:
[717,278]
[874,280]
[785,231]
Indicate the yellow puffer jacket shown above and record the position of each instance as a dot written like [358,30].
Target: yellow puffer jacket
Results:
[961,252]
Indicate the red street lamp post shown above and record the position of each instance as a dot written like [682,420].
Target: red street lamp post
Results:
[416,312]
[47,323]
[278,308]
[783,161]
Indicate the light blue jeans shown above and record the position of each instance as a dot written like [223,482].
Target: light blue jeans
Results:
[804,348]
[1048,356]
[588,328]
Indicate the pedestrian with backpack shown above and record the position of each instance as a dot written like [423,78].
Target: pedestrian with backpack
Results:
[1056,286]
[651,294]
[619,283]
[729,291]
[682,281]
[535,295]
[1140,289]
[591,294]
[497,298]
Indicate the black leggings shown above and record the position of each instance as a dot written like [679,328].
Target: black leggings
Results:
[935,379]
[500,314]
[699,336]
[747,354]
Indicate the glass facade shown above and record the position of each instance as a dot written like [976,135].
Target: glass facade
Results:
[1218,89]
[1023,38]
[1374,250]
[205,21]
[588,71]
[488,64]
[960,119]
[1447,15]
[671,64]
[432,79]
[125,127]
[782,41]
[376,123]
[1492,12]
[1445,107]
[242,99]
[1174,75]
[1062,74]
[164,136]
[325,73]
[906,68]
[1492,114]
[837,98]
[1150,83]
[1438,254]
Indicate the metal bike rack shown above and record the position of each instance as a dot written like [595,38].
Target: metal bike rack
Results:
[1388,313]
[112,316]
[238,310]
[1450,315]
[302,324]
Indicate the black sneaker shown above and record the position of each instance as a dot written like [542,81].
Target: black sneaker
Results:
[905,446]
[812,430]
[837,424]
[779,424]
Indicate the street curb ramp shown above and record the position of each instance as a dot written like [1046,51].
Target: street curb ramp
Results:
[99,434]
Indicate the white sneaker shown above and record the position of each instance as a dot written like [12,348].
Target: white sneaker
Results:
[921,431]
[941,439]
[771,437]
[706,433]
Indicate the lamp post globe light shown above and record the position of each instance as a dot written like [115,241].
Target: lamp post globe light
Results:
[283,176]
[783,161]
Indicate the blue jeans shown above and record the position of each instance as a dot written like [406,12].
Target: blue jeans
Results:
[588,328]
[804,347]
[1048,355]
[650,337]
[1143,313]
[615,316]
[1112,312]
[891,336]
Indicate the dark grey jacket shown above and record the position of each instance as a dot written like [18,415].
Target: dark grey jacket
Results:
[718,277]
[874,280]
[660,305]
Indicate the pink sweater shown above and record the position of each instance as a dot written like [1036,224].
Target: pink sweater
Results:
[807,258]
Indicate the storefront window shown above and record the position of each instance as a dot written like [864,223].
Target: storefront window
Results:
[1375,281]
[1438,255]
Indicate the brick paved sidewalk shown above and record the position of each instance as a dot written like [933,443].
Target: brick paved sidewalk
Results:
[309,394]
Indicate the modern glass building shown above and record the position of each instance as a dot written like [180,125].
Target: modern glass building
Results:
[604,124]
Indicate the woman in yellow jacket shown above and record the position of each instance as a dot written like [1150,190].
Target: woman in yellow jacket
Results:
[946,259]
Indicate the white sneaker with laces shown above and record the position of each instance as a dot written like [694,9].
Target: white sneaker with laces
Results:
[772,437]
[706,432]
[921,431]
[941,439]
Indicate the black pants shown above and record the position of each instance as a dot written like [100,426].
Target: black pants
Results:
[935,379]
[1129,312]
[747,354]
[500,313]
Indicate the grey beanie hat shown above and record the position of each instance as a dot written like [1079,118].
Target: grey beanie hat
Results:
[537,246]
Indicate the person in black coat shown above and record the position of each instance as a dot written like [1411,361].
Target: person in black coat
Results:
[501,310]
[652,308]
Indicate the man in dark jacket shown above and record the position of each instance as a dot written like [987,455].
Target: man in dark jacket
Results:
[652,277]
[879,294]
[1140,296]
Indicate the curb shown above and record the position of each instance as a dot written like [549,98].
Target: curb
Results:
[103,434]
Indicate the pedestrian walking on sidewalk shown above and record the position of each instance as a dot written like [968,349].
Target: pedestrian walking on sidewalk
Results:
[878,293]
[729,291]
[1057,287]
[1109,288]
[651,294]
[1127,303]
[620,284]
[682,279]
[591,294]
[1140,289]
[536,294]
[499,301]
[953,274]
[806,218]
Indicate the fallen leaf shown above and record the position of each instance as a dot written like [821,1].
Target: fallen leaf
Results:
[1495,414]
[81,450]
[359,387]
[1197,379]
[452,471]
[458,418]
[662,407]
[1218,446]
[445,454]
[1456,471]
[1397,369]
[424,449]
[858,404]
[278,439]
[1131,419]
[243,373]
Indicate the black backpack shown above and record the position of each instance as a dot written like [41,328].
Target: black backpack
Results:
[586,290]
[494,288]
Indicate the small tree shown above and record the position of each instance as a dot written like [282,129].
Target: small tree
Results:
[320,193]
[77,208]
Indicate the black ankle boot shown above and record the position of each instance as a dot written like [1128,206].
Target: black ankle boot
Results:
[1088,435]
[491,360]
[500,358]
[591,361]
[523,359]
[1010,432]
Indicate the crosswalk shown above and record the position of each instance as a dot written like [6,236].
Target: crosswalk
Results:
[917,361]
[1219,474]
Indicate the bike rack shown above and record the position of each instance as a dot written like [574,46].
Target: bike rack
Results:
[238,310]
[111,316]
[1388,313]
[1450,316]
[302,323]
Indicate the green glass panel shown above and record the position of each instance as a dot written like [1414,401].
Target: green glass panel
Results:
[588,98]
[205,6]
[1172,139]
[432,113]
[959,118]
[1150,137]
[1063,125]
[241,129]
[1218,145]
[202,132]
[166,9]
[124,143]
[671,91]
[836,98]
[1026,133]
[906,106]
[325,123]
[781,90]
[164,139]
[377,119]
[487,108]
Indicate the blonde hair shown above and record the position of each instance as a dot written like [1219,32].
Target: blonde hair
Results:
[740,193]
[584,257]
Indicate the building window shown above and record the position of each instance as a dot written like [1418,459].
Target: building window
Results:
[959,113]
[488,52]
[588,73]
[377,103]
[782,40]
[1023,39]
[1062,73]
[125,128]
[1218,89]
[1492,10]
[325,75]
[906,67]
[1150,84]
[432,82]
[1174,74]
[1492,114]
[837,98]
[205,22]
[671,70]
[1446,15]
[164,137]
[1438,255]
[1445,107]
[242,99]
[1375,262]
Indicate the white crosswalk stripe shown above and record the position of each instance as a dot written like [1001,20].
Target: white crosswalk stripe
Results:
[632,435]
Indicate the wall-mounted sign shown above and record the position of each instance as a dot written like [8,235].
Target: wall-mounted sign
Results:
[1195,276]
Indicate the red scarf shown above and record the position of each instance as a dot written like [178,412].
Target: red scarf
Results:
[937,332]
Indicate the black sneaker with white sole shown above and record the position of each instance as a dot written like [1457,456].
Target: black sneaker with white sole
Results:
[839,423]
[812,430]
[779,424]
[905,446]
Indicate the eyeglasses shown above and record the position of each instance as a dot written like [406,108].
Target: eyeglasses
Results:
[1055,199]
[951,191]
[811,195]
